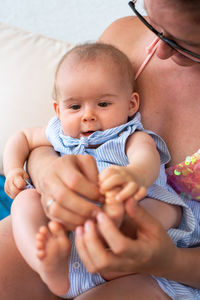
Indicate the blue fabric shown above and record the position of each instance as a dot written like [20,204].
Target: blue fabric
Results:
[5,201]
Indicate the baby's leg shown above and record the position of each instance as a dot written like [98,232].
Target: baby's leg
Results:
[27,217]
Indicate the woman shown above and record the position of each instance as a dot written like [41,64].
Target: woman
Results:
[169,89]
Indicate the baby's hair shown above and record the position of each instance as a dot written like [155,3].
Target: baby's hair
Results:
[89,52]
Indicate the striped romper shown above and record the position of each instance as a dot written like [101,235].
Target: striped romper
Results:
[111,151]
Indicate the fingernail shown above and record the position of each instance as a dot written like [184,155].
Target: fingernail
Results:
[79,231]
[118,199]
[87,226]
[101,217]
[95,213]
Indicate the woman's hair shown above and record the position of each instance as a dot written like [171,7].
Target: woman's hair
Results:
[92,52]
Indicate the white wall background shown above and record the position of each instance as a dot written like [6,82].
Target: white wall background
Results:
[71,20]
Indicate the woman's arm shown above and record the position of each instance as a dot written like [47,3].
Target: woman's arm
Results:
[64,179]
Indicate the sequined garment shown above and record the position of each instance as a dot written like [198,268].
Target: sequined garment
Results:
[185,177]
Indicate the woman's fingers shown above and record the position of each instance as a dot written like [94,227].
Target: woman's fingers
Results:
[67,171]
[91,173]
[77,176]
[69,219]
[76,203]
[141,217]
[92,251]
[117,242]
[82,250]
[63,183]
[70,209]
[103,248]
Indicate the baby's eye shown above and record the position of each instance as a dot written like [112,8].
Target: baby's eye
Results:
[103,104]
[75,107]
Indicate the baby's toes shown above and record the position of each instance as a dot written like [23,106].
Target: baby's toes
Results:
[56,228]
[43,233]
[40,253]
[42,237]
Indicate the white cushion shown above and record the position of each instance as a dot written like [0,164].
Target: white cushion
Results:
[27,68]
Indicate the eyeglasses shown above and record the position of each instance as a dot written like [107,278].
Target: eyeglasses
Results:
[187,53]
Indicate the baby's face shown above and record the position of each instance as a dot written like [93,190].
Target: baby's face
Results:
[92,96]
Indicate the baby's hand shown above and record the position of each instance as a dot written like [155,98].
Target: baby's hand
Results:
[120,179]
[15,182]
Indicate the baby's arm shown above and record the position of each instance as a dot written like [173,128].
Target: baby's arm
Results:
[134,179]
[16,152]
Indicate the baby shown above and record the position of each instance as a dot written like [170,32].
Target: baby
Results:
[96,114]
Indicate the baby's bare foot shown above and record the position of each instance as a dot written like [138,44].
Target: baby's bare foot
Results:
[53,249]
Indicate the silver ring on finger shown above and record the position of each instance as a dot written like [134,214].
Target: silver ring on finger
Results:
[49,203]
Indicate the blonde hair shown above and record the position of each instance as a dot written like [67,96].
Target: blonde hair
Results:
[89,52]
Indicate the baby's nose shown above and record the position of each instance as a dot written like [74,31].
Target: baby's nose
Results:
[89,116]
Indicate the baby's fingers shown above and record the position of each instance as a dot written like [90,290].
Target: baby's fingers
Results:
[19,182]
[11,190]
[110,183]
[141,193]
[129,190]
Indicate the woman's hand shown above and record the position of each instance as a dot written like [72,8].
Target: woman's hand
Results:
[64,179]
[151,252]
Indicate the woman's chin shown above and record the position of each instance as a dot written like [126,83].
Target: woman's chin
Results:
[181,60]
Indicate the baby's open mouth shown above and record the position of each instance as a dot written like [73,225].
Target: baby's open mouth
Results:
[87,133]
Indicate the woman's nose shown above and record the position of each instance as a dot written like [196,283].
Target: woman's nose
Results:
[164,51]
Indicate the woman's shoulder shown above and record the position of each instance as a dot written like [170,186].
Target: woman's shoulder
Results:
[122,27]
[129,35]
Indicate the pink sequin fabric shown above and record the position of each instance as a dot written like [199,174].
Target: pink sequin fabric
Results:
[185,177]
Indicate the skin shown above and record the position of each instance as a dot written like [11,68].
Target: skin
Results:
[160,98]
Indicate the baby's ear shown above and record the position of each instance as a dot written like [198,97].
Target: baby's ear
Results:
[134,104]
[56,108]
